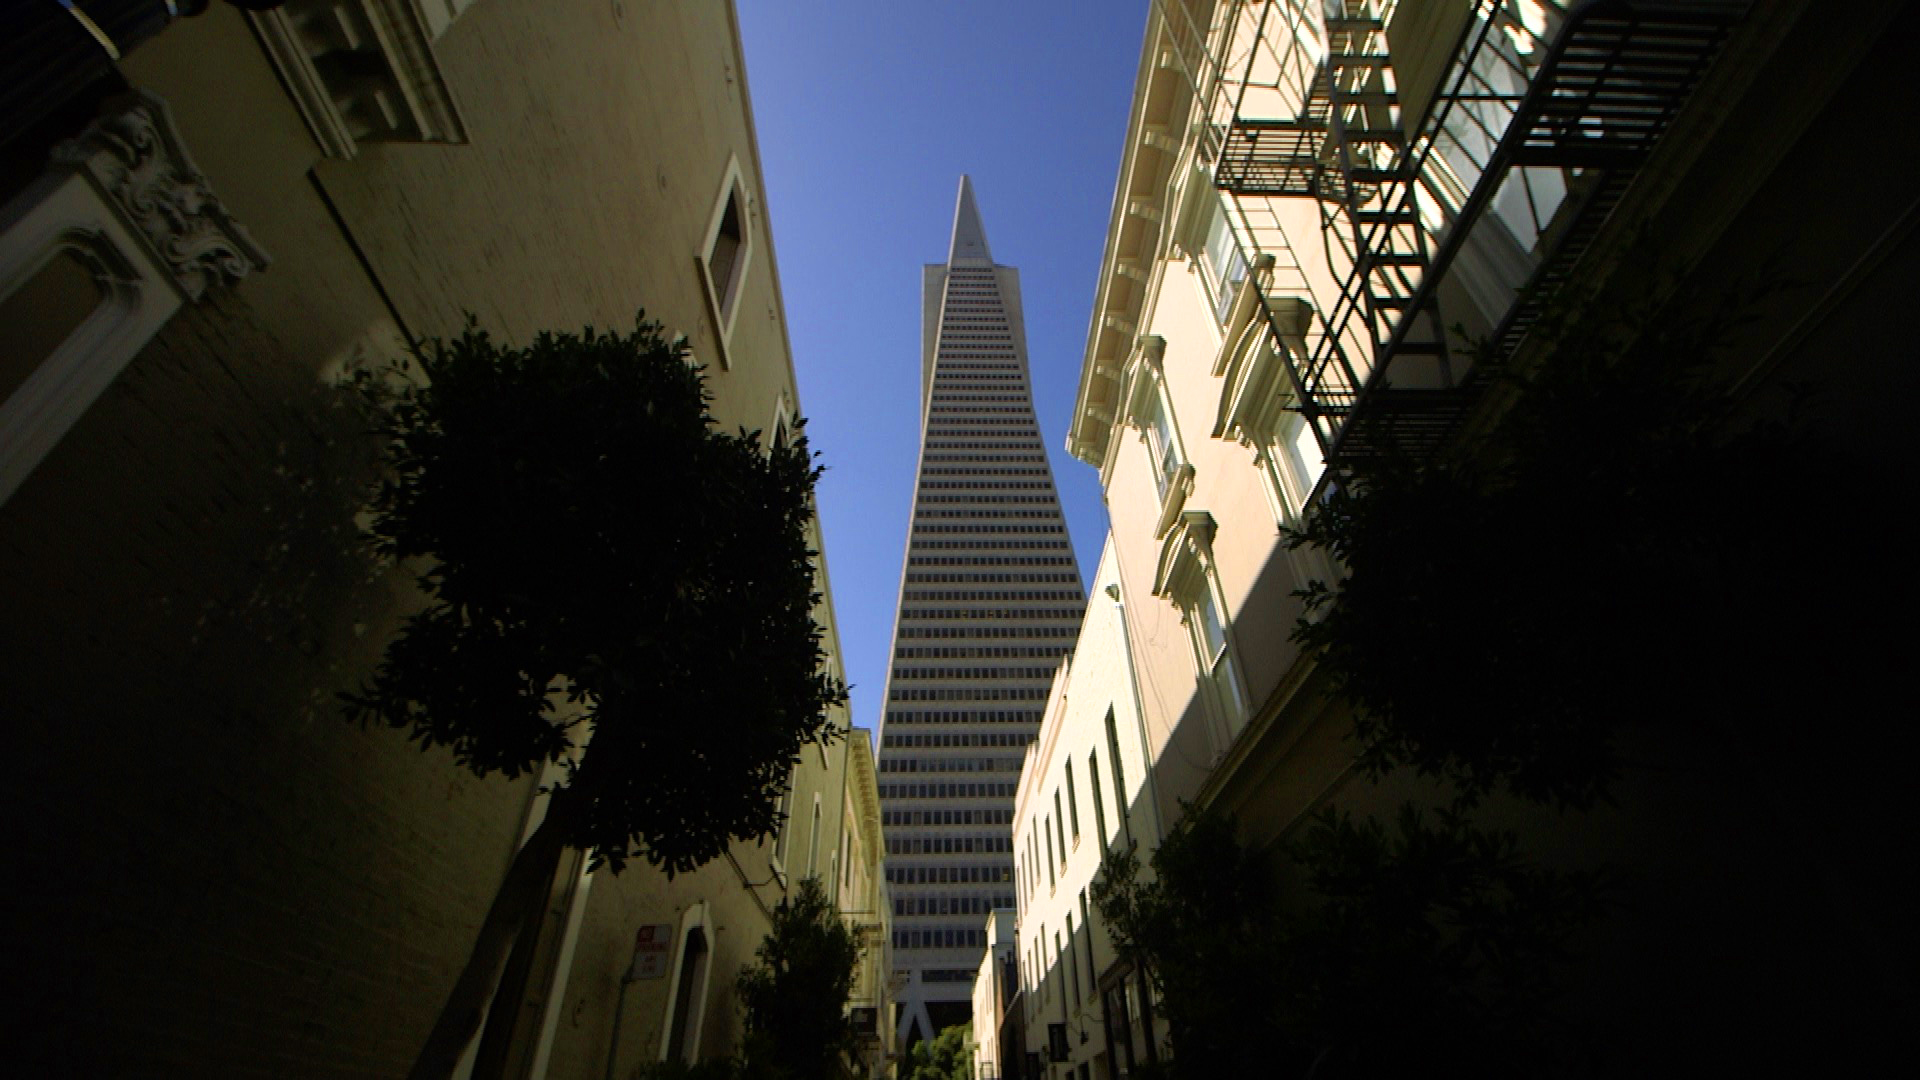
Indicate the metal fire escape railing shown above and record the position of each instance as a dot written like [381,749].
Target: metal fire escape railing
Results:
[1578,114]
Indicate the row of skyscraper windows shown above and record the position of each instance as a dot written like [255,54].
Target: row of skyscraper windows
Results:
[949,905]
[960,738]
[948,845]
[970,693]
[992,614]
[946,791]
[989,816]
[947,937]
[967,394]
[1022,409]
[990,528]
[997,468]
[1003,446]
[965,716]
[960,365]
[949,764]
[972,545]
[991,576]
[948,875]
[983,485]
[989,560]
[974,673]
[959,651]
[946,975]
[1041,499]
[984,458]
[1053,514]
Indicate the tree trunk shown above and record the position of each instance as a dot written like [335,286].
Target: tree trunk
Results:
[521,891]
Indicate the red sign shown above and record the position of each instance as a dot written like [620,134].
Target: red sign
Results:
[650,948]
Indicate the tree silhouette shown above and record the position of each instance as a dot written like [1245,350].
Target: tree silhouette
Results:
[612,584]
[797,1027]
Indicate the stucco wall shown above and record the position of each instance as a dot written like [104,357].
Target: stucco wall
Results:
[227,878]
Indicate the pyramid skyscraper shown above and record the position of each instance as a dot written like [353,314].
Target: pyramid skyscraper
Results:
[989,602]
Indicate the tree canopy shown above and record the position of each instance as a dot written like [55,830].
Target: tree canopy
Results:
[946,1056]
[795,997]
[611,582]
[1427,944]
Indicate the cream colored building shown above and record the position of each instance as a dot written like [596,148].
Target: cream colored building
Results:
[1087,789]
[205,221]
[1305,200]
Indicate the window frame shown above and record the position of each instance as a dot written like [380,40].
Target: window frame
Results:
[724,299]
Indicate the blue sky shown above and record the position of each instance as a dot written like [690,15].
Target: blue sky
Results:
[867,113]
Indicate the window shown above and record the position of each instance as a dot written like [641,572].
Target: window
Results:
[813,838]
[725,254]
[1157,429]
[1073,804]
[1047,827]
[1093,785]
[1226,266]
[686,1006]
[1086,923]
[364,71]
[95,256]
[1186,577]
[1149,411]
[1119,775]
[1073,960]
[1060,825]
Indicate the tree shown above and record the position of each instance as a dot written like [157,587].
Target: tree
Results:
[1428,945]
[946,1056]
[797,1027]
[612,584]
[1599,559]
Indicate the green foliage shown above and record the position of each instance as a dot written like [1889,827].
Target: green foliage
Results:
[1601,558]
[595,553]
[797,1027]
[1428,944]
[946,1056]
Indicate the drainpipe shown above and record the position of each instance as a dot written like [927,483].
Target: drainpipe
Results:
[1139,713]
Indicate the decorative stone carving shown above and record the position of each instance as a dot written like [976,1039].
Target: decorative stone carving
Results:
[135,157]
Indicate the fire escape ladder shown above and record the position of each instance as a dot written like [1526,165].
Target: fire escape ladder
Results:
[1606,89]
[1381,298]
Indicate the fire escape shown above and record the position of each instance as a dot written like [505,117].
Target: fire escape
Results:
[1589,105]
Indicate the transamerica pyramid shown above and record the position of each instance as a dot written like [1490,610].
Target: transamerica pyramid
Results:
[989,602]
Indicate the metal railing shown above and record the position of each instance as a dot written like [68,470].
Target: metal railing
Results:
[1540,122]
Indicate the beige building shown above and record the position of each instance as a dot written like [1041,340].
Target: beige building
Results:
[1304,202]
[1086,790]
[206,220]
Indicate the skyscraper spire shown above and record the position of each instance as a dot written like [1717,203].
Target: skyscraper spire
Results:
[969,236]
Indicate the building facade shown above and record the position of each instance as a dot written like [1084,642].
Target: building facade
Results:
[1309,201]
[1085,793]
[206,221]
[989,601]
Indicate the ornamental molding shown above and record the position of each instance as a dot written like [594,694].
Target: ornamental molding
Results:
[1184,554]
[1257,387]
[135,157]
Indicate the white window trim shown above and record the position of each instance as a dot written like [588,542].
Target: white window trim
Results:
[124,197]
[413,93]
[725,316]
[1143,390]
[1185,568]
[697,917]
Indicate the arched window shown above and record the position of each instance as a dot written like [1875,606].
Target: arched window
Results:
[686,1009]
